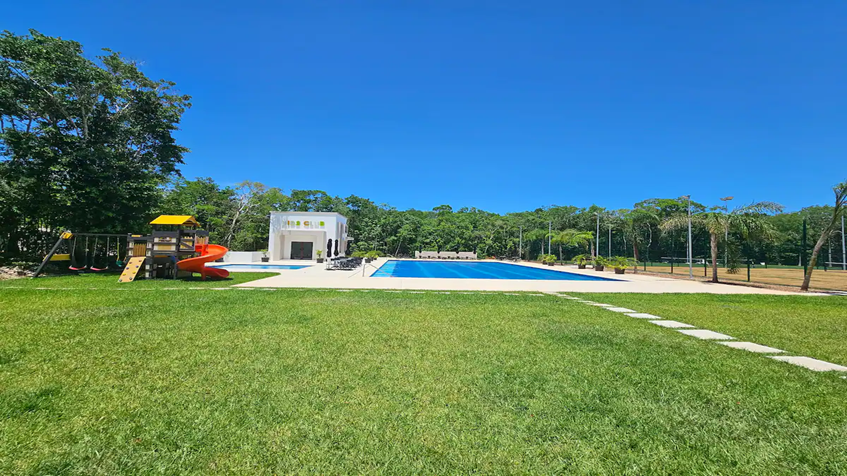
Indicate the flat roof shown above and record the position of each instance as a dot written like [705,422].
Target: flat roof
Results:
[309,213]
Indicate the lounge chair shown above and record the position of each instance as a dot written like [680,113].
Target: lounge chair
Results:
[448,255]
[467,255]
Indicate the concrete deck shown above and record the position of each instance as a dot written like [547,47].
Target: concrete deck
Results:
[316,276]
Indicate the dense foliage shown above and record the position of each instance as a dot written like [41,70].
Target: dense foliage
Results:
[238,218]
[84,144]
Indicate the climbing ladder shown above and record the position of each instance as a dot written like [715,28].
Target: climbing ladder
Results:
[133,266]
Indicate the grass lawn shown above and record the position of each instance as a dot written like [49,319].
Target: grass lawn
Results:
[110,281]
[801,325]
[208,382]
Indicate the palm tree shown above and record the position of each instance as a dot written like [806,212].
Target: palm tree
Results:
[840,204]
[537,234]
[571,237]
[749,219]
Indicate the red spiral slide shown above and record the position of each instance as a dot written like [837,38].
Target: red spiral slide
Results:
[198,265]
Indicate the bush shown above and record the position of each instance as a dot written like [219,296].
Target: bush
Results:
[547,259]
[621,262]
[581,259]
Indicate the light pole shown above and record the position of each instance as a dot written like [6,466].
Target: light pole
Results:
[597,237]
[843,247]
[549,235]
[520,243]
[726,233]
[690,253]
[610,240]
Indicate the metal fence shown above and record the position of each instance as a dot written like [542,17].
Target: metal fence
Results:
[825,278]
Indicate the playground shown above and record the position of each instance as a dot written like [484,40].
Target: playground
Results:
[176,248]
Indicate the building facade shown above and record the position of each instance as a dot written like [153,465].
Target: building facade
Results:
[300,235]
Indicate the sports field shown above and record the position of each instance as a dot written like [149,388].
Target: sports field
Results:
[831,279]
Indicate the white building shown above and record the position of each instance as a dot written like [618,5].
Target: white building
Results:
[299,235]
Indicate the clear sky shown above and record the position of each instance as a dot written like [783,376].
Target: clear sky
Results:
[505,106]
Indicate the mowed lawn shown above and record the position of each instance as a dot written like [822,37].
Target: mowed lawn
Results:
[250,381]
[813,326]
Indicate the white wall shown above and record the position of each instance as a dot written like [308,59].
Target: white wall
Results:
[286,227]
[243,257]
[314,237]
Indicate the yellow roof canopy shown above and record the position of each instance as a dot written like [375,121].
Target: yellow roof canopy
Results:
[175,220]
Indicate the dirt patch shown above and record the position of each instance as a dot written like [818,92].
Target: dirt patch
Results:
[9,272]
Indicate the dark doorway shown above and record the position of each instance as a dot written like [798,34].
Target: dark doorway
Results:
[301,250]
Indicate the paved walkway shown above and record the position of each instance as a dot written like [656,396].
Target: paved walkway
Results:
[316,276]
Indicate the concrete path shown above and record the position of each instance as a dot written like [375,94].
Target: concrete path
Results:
[315,276]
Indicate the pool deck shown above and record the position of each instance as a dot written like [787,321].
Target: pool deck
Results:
[317,277]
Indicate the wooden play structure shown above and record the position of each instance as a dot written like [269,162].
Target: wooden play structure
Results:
[87,252]
[168,250]
[176,248]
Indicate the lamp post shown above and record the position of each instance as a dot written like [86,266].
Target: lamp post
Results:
[597,237]
[549,236]
[520,243]
[726,233]
[690,253]
[610,240]
[843,247]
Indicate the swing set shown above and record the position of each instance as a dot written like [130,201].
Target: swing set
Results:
[88,252]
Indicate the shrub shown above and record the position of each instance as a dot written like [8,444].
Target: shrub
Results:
[581,259]
[621,262]
[547,259]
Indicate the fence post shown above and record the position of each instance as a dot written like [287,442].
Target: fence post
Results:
[803,250]
[645,266]
[748,270]
[671,265]
[705,269]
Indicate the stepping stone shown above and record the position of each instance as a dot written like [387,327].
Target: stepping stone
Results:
[810,363]
[759,349]
[706,335]
[672,324]
[601,304]
[619,309]
[642,315]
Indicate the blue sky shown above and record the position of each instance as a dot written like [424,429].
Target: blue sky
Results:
[505,106]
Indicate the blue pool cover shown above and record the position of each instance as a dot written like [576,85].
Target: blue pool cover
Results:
[474,270]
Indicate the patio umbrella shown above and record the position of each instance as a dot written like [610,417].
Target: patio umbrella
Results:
[329,248]
[336,247]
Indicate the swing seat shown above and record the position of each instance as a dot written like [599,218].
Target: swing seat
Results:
[73,268]
[97,270]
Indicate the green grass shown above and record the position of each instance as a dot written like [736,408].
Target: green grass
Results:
[261,382]
[801,325]
[109,281]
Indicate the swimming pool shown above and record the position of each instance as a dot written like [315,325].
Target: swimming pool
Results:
[256,267]
[474,270]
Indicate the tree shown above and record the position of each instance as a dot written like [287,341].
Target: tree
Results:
[571,237]
[750,220]
[84,144]
[840,191]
